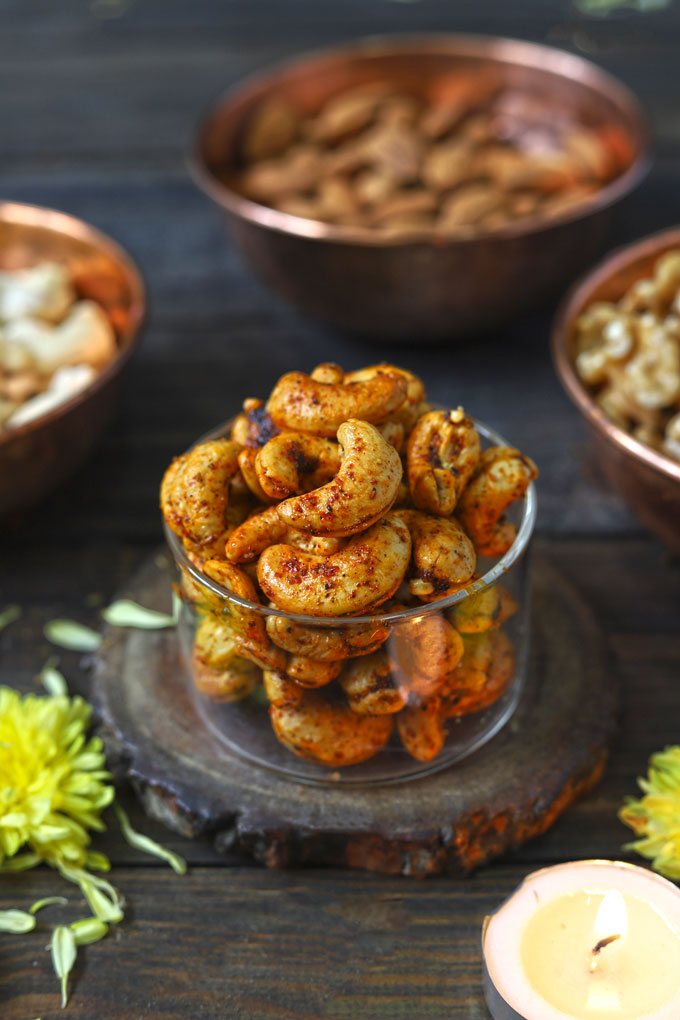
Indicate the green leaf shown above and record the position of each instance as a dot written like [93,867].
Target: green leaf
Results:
[52,680]
[148,845]
[64,952]
[49,901]
[8,615]
[72,635]
[89,930]
[18,922]
[126,613]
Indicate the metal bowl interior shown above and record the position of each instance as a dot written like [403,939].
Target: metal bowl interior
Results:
[648,479]
[543,86]
[39,454]
[425,284]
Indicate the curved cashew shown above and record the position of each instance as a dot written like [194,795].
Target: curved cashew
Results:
[301,404]
[85,336]
[424,653]
[421,728]
[411,408]
[363,489]
[195,492]
[263,529]
[443,555]
[246,461]
[393,433]
[293,462]
[369,686]
[280,690]
[329,733]
[311,672]
[254,426]
[483,674]
[502,476]
[43,291]
[327,644]
[442,453]
[365,573]
[486,609]
[248,626]
[327,372]
[233,683]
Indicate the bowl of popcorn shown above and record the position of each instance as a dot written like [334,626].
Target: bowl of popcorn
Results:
[422,186]
[71,303]
[350,563]
[616,344]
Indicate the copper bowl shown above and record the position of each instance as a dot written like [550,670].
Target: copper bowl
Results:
[648,480]
[38,455]
[423,286]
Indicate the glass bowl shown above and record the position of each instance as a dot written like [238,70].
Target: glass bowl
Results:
[384,714]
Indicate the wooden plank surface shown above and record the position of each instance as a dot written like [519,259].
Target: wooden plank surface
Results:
[98,103]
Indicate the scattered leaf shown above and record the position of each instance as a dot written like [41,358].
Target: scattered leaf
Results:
[103,898]
[18,922]
[8,615]
[52,680]
[72,635]
[22,862]
[49,901]
[125,613]
[89,930]
[148,845]
[64,954]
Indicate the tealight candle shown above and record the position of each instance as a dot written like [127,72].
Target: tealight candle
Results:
[589,940]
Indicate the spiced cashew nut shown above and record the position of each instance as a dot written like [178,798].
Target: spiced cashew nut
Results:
[365,486]
[442,452]
[293,462]
[326,644]
[250,634]
[370,688]
[366,572]
[301,404]
[443,555]
[501,477]
[263,529]
[195,490]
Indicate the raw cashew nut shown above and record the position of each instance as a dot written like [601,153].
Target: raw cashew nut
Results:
[249,629]
[366,485]
[484,610]
[43,291]
[329,733]
[85,336]
[195,492]
[369,686]
[311,672]
[365,573]
[301,404]
[409,411]
[502,476]
[293,462]
[444,556]
[327,644]
[442,453]
[483,674]
[424,653]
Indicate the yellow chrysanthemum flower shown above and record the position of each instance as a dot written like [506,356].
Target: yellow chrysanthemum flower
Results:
[53,784]
[656,816]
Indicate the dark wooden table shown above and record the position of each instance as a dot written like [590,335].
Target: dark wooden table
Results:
[97,105]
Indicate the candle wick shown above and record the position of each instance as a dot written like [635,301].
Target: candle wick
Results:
[599,946]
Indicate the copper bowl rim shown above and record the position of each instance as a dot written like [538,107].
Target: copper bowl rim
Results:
[532,55]
[64,223]
[574,302]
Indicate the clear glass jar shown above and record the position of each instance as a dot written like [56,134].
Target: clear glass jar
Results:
[377,698]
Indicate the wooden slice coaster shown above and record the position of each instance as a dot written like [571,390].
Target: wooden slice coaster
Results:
[553,750]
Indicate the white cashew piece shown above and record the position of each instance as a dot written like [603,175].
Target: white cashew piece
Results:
[84,337]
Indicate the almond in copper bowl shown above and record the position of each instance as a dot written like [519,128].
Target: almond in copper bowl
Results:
[422,187]
[616,345]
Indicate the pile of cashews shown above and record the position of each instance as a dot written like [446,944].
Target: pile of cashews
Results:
[345,495]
